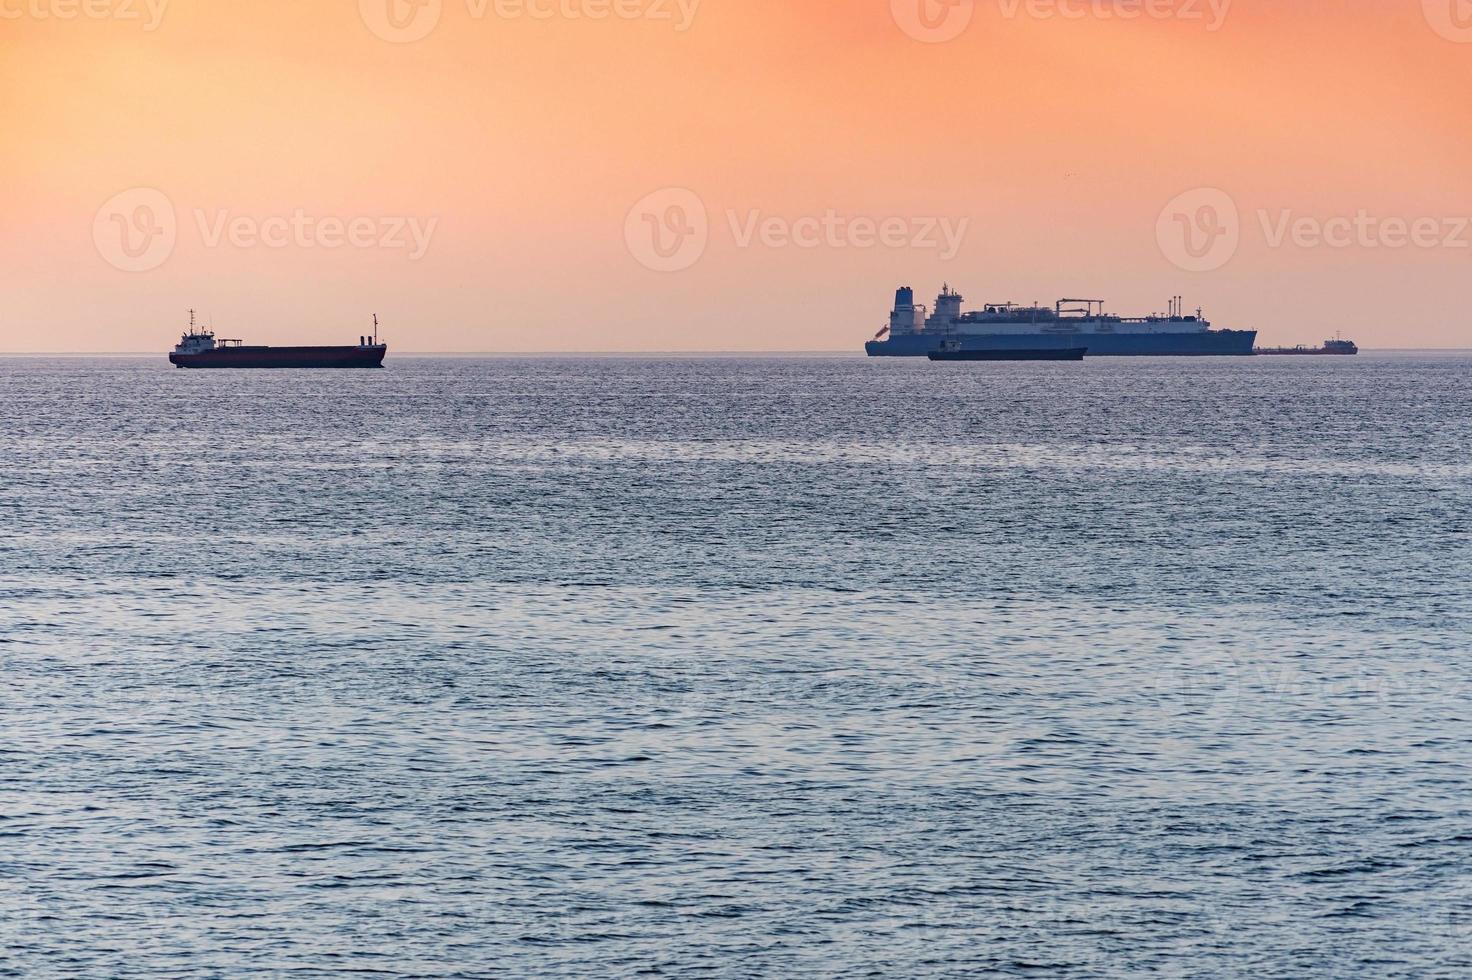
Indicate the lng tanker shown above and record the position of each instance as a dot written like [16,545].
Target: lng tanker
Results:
[1070,324]
[199,349]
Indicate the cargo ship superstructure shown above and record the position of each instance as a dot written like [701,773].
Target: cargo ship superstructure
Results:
[199,349]
[914,331]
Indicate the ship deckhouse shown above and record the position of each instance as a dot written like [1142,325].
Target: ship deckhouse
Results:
[196,340]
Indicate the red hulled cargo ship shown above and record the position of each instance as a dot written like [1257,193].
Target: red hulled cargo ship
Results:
[199,349]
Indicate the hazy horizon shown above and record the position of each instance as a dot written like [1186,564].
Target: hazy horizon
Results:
[758,354]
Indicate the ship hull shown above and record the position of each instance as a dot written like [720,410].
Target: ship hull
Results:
[1314,352]
[1077,354]
[283,357]
[1213,343]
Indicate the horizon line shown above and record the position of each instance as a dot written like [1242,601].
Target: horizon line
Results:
[636,353]
[492,353]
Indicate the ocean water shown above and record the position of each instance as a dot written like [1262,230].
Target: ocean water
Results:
[737,667]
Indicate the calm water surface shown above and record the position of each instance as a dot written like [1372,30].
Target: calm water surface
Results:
[735,668]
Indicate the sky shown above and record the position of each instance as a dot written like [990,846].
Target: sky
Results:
[725,175]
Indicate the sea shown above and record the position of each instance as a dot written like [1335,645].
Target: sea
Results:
[737,667]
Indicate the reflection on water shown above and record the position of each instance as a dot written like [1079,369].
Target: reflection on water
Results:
[742,667]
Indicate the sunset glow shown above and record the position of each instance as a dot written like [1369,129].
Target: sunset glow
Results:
[474,187]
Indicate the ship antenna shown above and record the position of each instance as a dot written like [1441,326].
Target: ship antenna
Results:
[191,322]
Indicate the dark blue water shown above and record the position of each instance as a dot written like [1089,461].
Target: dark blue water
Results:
[735,668]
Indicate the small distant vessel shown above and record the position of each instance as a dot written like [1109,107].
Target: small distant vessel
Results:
[914,331]
[199,349]
[953,351]
[1341,347]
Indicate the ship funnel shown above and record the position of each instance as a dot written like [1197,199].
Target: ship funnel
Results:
[904,298]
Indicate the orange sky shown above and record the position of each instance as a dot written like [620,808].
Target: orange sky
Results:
[519,144]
